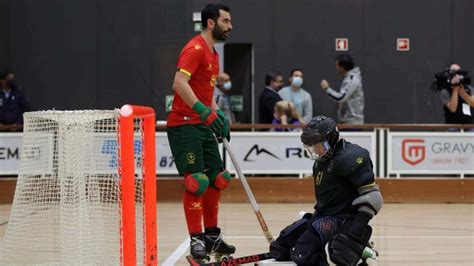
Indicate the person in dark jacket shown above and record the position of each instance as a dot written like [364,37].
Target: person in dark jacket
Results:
[13,102]
[269,96]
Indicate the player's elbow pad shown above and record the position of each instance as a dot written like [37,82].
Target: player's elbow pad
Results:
[370,201]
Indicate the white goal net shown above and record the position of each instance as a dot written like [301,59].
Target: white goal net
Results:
[67,204]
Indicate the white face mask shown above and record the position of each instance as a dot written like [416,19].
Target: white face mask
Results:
[227,85]
[297,81]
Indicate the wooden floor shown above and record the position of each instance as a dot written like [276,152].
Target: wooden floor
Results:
[405,234]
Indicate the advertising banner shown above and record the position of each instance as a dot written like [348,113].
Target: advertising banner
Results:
[431,152]
[282,152]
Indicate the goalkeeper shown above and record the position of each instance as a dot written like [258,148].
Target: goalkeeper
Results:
[347,199]
[191,126]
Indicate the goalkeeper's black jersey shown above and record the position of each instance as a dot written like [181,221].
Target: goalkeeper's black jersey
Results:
[338,179]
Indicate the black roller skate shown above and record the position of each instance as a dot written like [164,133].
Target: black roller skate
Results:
[198,248]
[216,246]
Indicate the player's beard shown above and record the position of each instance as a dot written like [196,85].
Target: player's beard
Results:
[219,34]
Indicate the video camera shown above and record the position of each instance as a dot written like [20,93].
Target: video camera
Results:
[443,79]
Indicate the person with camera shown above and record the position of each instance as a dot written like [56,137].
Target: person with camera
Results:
[457,97]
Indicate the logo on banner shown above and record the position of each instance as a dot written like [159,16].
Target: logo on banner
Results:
[257,152]
[413,151]
[109,147]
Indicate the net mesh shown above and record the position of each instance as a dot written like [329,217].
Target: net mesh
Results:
[66,208]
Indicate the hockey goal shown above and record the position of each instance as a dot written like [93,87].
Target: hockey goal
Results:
[86,189]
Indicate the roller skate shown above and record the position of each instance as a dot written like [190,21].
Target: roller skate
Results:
[216,246]
[198,248]
[369,254]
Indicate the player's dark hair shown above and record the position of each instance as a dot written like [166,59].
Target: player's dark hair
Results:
[294,70]
[345,61]
[211,11]
[271,76]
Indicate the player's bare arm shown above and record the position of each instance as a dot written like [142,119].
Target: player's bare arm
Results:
[182,88]
[214,104]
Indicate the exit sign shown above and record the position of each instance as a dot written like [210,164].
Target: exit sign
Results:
[403,44]
[342,44]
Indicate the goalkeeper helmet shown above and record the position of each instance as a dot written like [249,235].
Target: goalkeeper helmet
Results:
[320,137]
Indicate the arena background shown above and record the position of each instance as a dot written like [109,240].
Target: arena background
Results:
[102,54]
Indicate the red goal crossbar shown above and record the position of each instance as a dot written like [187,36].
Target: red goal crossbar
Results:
[127,172]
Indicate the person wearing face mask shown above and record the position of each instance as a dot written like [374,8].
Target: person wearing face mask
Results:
[13,103]
[297,95]
[350,98]
[221,95]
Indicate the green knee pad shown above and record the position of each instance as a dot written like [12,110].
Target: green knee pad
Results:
[196,183]
[219,179]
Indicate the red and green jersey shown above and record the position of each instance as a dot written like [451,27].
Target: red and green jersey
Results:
[202,65]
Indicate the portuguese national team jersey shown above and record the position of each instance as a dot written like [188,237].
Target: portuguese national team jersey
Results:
[202,65]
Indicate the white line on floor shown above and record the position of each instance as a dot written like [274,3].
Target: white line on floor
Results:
[425,237]
[178,253]
[174,257]
[378,237]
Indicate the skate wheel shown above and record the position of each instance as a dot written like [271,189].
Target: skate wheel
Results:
[221,257]
[371,244]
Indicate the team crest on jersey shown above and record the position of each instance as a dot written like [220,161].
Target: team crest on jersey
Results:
[213,81]
[197,47]
[195,206]
[359,160]
[331,166]
[190,157]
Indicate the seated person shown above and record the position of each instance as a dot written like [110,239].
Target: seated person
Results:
[286,114]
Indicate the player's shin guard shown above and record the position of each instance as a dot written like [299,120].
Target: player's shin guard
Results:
[211,207]
[193,211]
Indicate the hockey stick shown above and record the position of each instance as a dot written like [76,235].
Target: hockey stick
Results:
[247,189]
[232,261]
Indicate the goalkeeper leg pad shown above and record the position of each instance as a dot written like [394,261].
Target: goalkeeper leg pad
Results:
[280,248]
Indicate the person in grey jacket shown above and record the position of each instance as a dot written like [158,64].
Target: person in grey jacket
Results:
[350,97]
[298,96]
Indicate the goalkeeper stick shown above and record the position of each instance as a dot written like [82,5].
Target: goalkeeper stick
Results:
[247,189]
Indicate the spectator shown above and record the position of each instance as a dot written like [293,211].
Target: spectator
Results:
[221,95]
[10,77]
[269,96]
[286,114]
[350,98]
[13,102]
[298,96]
[458,101]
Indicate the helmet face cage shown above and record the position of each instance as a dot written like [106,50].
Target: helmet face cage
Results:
[314,155]
[320,130]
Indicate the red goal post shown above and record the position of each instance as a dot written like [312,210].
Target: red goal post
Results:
[127,170]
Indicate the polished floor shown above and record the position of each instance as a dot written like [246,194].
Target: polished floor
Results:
[405,234]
